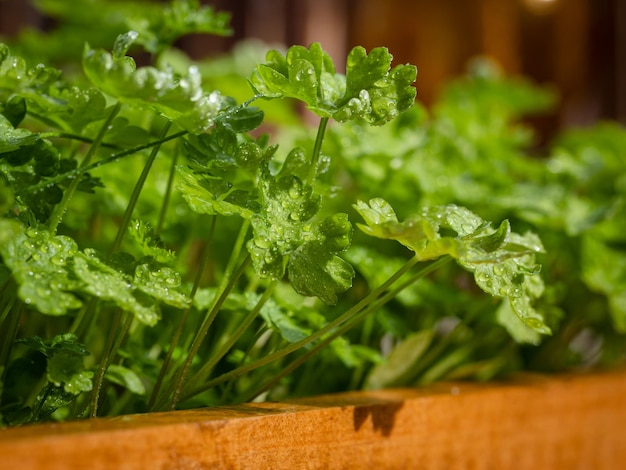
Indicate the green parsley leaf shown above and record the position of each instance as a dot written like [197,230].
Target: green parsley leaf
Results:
[67,369]
[418,233]
[151,245]
[503,263]
[370,89]
[39,263]
[179,98]
[286,236]
[124,290]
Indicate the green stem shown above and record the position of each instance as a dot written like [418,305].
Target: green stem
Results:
[67,135]
[305,341]
[104,364]
[228,274]
[85,318]
[60,208]
[317,151]
[204,329]
[168,193]
[14,311]
[347,326]
[121,336]
[241,329]
[105,161]
[78,320]
[12,297]
[136,192]
[366,333]
[204,258]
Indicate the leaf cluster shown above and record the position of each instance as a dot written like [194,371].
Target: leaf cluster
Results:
[159,249]
[370,89]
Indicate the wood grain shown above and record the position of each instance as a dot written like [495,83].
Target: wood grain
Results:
[534,422]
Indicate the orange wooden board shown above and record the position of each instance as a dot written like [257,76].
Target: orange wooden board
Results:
[534,422]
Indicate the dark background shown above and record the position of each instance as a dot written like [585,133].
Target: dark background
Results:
[579,46]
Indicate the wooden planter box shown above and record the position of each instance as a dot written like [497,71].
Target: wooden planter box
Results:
[534,422]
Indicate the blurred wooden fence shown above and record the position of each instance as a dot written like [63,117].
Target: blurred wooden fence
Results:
[577,45]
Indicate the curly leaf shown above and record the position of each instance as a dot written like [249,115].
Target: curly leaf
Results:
[314,268]
[179,98]
[68,370]
[419,233]
[160,283]
[315,271]
[137,293]
[370,89]
[65,366]
[17,77]
[151,245]
[106,283]
[64,342]
[287,238]
[283,322]
[286,205]
[503,262]
[41,91]
[211,195]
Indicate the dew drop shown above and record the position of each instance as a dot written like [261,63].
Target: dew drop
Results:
[295,191]
[533,323]
[262,242]
[172,281]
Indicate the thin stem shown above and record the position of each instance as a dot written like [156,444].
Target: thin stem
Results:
[180,379]
[241,329]
[67,135]
[136,192]
[105,161]
[85,318]
[366,333]
[12,297]
[60,208]
[309,339]
[317,151]
[14,311]
[204,257]
[168,192]
[78,319]
[347,326]
[85,168]
[104,364]
[128,320]
[204,329]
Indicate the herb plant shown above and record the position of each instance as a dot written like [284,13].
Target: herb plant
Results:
[160,250]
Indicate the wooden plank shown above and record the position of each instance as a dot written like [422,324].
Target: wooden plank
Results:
[570,422]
